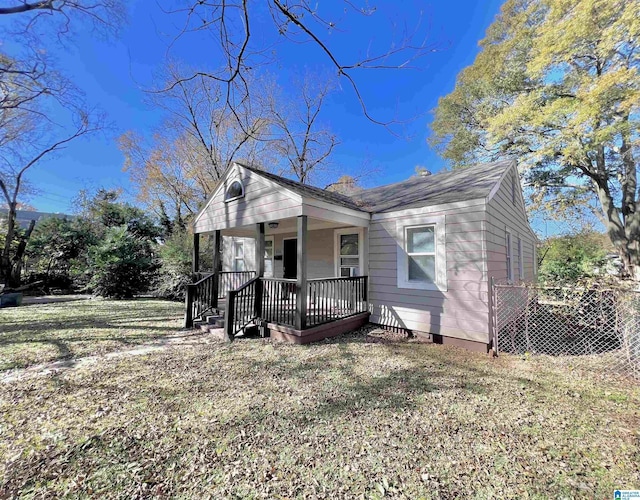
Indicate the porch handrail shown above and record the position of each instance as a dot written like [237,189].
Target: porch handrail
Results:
[243,306]
[203,295]
[336,278]
[199,298]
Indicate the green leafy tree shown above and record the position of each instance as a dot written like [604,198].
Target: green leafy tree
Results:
[573,257]
[57,251]
[105,210]
[557,86]
[122,264]
[175,269]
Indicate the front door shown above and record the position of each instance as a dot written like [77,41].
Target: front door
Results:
[290,258]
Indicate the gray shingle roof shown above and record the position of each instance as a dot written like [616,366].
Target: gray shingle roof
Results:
[448,186]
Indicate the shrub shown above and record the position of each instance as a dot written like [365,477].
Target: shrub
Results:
[122,264]
[571,258]
[175,270]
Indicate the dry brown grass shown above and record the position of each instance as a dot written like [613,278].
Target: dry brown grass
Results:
[341,419]
[58,331]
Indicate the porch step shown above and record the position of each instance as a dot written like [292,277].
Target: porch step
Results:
[214,319]
[217,333]
[209,325]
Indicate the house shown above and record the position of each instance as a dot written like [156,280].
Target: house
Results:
[304,264]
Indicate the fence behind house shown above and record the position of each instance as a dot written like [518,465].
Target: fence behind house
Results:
[592,328]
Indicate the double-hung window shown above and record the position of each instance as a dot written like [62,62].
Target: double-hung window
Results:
[421,262]
[268,257]
[509,256]
[238,255]
[520,260]
[348,251]
[421,253]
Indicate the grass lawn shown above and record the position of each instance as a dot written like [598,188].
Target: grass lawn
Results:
[349,418]
[51,332]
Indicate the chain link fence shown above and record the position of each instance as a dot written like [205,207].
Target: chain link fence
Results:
[590,328]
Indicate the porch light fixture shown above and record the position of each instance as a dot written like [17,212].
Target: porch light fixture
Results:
[273,225]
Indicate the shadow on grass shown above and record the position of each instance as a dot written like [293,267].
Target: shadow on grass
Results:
[122,329]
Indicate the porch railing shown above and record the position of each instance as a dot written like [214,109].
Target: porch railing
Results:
[202,296]
[279,301]
[328,299]
[273,300]
[232,280]
[331,299]
[242,306]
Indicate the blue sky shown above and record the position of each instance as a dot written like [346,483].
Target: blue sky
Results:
[114,75]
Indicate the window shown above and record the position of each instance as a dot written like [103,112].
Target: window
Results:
[513,188]
[238,255]
[268,257]
[520,261]
[421,253]
[421,262]
[234,191]
[509,256]
[348,252]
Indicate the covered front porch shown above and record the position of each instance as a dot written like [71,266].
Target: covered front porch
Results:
[297,279]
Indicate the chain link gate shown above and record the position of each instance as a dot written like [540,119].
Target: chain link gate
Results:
[595,328]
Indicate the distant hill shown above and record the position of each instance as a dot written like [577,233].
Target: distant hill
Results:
[25,216]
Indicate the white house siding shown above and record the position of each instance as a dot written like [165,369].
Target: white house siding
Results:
[261,202]
[228,252]
[461,311]
[319,253]
[502,216]
[320,256]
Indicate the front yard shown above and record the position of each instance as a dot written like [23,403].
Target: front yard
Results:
[53,332]
[361,416]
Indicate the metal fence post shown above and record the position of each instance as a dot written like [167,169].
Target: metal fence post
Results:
[494,314]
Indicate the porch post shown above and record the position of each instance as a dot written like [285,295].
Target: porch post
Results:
[259,263]
[195,262]
[260,249]
[217,266]
[301,283]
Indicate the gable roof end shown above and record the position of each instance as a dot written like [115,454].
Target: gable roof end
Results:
[306,190]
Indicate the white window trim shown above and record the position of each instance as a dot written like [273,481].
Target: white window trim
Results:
[239,181]
[508,244]
[520,260]
[402,261]
[273,254]
[235,255]
[336,248]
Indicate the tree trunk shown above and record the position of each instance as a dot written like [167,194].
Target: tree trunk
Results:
[5,259]
[16,261]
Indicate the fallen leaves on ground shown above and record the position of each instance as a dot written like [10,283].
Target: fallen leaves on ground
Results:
[355,417]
